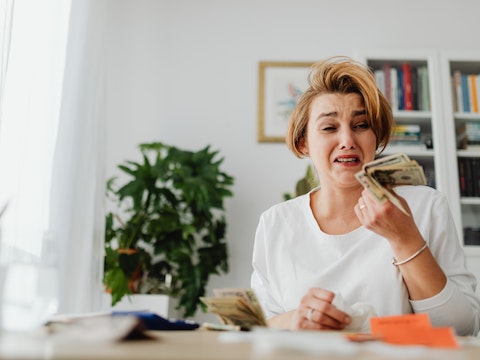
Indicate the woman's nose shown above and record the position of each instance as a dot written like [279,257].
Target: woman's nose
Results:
[347,139]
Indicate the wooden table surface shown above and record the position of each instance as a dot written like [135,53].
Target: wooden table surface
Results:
[212,345]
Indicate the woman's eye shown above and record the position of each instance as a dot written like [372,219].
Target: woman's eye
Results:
[328,128]
[363,125]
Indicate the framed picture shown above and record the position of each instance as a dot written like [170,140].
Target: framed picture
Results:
[280,86]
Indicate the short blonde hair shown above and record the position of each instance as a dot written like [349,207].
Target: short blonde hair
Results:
[340,74]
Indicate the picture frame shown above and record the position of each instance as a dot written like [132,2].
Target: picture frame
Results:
[280,85]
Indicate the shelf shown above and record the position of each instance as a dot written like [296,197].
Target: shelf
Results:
[413,114]
[470,200]
[466,116]
[410,150]
[469,153]
[472,250]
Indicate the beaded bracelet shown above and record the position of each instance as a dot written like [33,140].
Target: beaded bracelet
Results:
[396,263]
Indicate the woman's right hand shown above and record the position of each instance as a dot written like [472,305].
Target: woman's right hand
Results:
[315,312]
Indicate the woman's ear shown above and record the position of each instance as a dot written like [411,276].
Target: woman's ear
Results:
[303,146]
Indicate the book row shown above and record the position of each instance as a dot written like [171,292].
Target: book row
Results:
[407,133]
[406,87]
[471,236]
[469,176]
[410,137]
[466,92]
[468,135]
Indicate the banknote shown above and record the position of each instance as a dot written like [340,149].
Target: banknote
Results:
[236,306]
[382,175]
[369,184]
[399,158]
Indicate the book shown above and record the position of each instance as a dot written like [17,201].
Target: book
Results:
[469,176]
[472,87]
[477,87]
[465,93]
[457,75]
[454,94]
[475,176]
[471,236]
[407,86]
[380,80]
[469,127]
[404,132]
[415,89]
[461,176]
[425,89]
[388,85]
[394,88]
[400,91]
[468,134]
[420,105]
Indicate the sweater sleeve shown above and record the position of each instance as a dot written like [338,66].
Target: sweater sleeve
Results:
[457,305]
[259,278]
[450,307]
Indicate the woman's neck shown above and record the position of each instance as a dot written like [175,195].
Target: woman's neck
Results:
[333,209]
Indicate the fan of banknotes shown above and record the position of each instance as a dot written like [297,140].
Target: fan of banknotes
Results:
[236,306]
[388,172]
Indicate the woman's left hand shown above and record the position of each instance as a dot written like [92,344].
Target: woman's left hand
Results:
[386,219]
[423,276]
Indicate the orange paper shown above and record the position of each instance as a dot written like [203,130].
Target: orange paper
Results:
[412,329]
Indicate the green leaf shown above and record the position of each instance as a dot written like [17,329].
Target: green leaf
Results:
[117,284]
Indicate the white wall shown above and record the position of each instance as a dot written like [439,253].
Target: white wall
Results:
[185,72]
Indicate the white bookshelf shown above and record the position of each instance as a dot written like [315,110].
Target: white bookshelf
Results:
[441,120]
[466,209]
[429,120]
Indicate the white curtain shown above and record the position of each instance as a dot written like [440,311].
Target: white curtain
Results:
[30,108]
[51,139]
[6,12]
[78,171]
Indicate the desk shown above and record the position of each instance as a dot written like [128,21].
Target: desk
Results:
[197,344]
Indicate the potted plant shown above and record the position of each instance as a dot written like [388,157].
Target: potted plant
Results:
[167,232]
[304,185]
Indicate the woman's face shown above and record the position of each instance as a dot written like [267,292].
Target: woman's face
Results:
[339,139]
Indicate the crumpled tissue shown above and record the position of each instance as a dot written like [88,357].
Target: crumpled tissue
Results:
[359,312]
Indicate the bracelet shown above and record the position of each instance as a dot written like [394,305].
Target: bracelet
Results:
[396,263]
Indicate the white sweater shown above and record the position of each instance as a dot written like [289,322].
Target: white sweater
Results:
[291,255]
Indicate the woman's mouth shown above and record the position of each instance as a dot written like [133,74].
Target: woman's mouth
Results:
[348,159]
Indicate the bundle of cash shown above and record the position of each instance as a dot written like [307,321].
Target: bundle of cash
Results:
[383,174]
[236,306]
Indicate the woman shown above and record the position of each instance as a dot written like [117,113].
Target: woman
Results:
[338,239]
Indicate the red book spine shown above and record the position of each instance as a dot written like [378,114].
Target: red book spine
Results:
[407,85]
